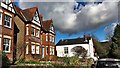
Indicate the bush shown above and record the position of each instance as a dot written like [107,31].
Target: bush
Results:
[32,62]
[5,60]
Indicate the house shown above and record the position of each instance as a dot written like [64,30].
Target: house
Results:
[64,47]
[31,33]
[23,33]
[48,39]
[7,28]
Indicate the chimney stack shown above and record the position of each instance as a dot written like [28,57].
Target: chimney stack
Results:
[85,37]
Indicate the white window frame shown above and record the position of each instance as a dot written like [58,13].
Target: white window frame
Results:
[7,44]
[32,49]
[26,49]
[37,49]
[7,21]
[66,50]
[0,18]
[46,36]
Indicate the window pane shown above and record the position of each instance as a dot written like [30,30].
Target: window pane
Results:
[32,31]
[6,44]
[37,33]
[33,49]
[37,49]
[66,50]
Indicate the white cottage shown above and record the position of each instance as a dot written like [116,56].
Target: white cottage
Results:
[63,47]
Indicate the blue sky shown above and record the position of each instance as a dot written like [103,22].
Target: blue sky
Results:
[97,29]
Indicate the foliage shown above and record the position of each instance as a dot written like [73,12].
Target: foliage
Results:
[115,47]
[101,50]
[5,60]
[32,62]
[79,51]
[75,60]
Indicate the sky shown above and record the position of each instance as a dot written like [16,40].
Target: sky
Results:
[78,17]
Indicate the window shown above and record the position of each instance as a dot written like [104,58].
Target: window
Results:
[65,50]
[7,21]
[51,50]
[6,45]
[37,33]
[46,50]
[46,37]
[32,32]
[37,49]
[33,49]
[27,49]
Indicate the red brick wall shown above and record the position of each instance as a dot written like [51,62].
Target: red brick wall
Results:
[9,32]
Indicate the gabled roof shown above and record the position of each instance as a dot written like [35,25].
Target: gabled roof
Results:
[46,24]
[26,14]
[73,41]
[29,13]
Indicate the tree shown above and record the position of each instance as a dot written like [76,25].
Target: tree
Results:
[101,48]
[79,51]
[115,47]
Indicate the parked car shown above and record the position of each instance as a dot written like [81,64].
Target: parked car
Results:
[108,63]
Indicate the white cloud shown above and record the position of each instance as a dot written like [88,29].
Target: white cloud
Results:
[110,29]
[66,20]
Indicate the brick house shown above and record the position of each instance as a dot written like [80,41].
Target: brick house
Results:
[23,33]
[48,39]
[7,28]
[31,32]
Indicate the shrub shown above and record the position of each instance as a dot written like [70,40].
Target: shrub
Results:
[5,60]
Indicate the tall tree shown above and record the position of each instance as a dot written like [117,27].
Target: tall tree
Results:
[115,47]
